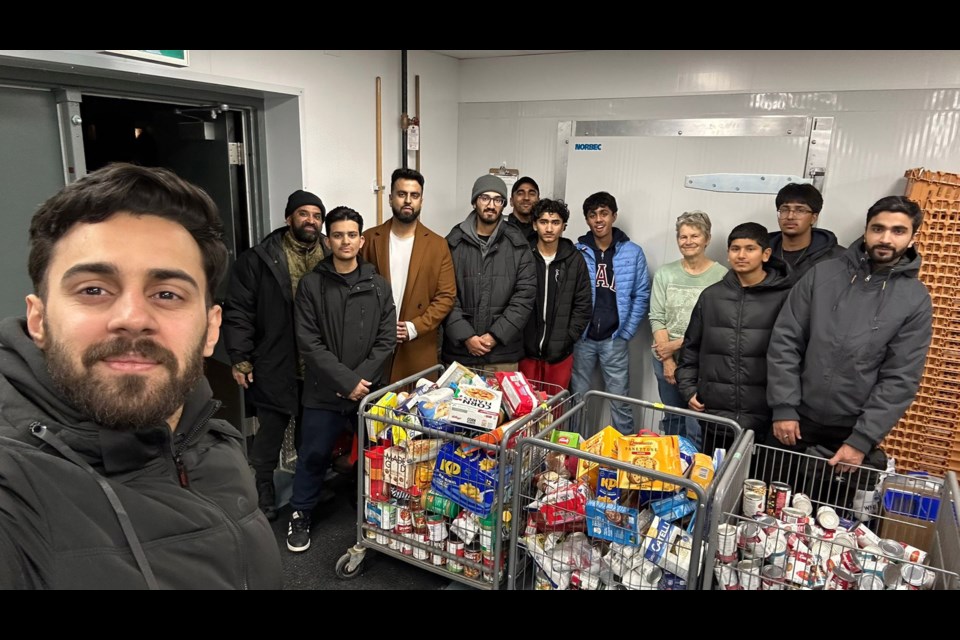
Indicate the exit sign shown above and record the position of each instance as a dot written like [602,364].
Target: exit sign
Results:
[176,57]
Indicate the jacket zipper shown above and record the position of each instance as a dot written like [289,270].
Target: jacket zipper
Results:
[185,483]
[743,295]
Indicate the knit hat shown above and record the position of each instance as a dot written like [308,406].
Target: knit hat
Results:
[300,198]
[486,183]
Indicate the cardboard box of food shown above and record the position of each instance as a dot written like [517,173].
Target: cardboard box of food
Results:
[613,522]
[476,407]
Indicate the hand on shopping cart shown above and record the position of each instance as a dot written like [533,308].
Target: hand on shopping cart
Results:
[846,458]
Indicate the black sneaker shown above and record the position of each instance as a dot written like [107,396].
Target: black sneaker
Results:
[298,532]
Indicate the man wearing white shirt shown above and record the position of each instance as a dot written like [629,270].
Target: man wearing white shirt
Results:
[418,265]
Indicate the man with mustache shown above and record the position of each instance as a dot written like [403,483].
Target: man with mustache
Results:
[113,472]
[848,348]
[524,195]
[496,284]
[417,264]
[258,331]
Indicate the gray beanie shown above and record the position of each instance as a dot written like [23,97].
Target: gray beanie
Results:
[486,183]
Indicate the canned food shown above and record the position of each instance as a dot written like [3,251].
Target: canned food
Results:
[437,559]
[436,528]
[455,547]
[382,539]
[421,551]
[751,538]
[872,559]
[778,497]
[726,543]
[775,550]
[646,577]
[727,577]
[827,518]
[891,575]
[917,576]
[769,524]
[840,580]
[749,571]
[870,582]
[802,502]
[472,554]
[754,497]
[771,578]
[891,549]
[792,515]
[912,554]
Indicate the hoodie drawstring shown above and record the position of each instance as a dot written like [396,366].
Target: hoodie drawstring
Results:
[40,431]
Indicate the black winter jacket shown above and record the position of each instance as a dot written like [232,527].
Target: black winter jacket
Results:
[823,246]
[724,355]
[58,527]
[344,333]
[496,288]
[258,323]
[570,304]
[849,346]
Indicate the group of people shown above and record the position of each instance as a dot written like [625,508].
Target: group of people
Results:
[113,472]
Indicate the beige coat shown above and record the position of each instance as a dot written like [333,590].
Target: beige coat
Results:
[428,298]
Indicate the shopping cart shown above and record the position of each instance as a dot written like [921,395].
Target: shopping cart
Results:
[788,520]
[621,525]
[392,490]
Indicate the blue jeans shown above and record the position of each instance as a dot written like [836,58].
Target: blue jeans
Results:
[318,436]
[672,424]
[613,356]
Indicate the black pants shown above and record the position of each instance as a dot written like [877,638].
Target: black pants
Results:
[812,475]
[265,452]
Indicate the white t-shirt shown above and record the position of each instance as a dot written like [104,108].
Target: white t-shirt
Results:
[548,260]
[400,251]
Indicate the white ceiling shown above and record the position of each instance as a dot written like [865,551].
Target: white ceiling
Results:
[465,55]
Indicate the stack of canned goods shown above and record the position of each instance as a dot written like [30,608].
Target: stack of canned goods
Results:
[784,541]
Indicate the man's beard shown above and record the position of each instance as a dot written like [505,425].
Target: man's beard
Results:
[126,402]
[405,218]
[304,235]
[884,261]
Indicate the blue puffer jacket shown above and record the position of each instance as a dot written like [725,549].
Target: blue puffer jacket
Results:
[632,280]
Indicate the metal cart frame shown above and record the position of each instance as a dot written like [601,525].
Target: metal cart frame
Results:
[350,563]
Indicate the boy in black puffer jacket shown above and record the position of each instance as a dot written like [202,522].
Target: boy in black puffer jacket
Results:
[723,363]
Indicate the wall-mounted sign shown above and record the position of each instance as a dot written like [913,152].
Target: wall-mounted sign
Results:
[176,57]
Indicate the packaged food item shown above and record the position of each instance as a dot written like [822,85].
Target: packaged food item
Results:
[519,397]
[614,522]
[701,472]
[398,468]
[659,453]
[669,548]
[474,406]
[383,408]
[603,443]
[566,438]
[455,375]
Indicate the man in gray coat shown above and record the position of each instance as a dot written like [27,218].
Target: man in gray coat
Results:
[849,345]
[496,284]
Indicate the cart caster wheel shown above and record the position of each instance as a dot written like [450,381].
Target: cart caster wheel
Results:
[344,570]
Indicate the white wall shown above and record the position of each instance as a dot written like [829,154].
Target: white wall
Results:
[630,74]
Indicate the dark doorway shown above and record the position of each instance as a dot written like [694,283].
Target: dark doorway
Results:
[202,144]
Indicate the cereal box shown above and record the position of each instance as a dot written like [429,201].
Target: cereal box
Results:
[477,407]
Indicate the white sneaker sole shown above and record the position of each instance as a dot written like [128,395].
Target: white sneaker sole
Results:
[298,549]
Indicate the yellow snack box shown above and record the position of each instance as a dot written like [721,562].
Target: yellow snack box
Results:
[701,472]
[658,453]
[384,408]
[603,443]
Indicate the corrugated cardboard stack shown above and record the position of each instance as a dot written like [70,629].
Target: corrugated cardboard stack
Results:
[927,438]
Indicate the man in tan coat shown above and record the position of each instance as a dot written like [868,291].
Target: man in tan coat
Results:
[417,263]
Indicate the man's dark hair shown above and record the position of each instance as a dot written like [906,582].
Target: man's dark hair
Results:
[897,204]
[550,206]
[750,231]
[128,188]
[406,174]
[522,181]
[802,194]
[339,214]
[597,200]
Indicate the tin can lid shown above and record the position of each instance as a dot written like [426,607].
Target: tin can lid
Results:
[891,575]
[802,502]
[891,548]
[913,574]
[871,582]
[828,518]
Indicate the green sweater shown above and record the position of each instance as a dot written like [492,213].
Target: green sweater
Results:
[675,293]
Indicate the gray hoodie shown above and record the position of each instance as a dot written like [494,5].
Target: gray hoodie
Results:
[849,346]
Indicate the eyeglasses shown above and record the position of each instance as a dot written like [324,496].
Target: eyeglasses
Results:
[485,199]
[793,212]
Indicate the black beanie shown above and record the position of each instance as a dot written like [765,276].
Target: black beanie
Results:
[300,198]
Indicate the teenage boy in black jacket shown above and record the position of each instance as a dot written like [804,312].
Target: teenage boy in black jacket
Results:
[723,363]
[346,325]
[563,305]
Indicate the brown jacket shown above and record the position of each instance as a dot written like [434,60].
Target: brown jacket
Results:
[428,298]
